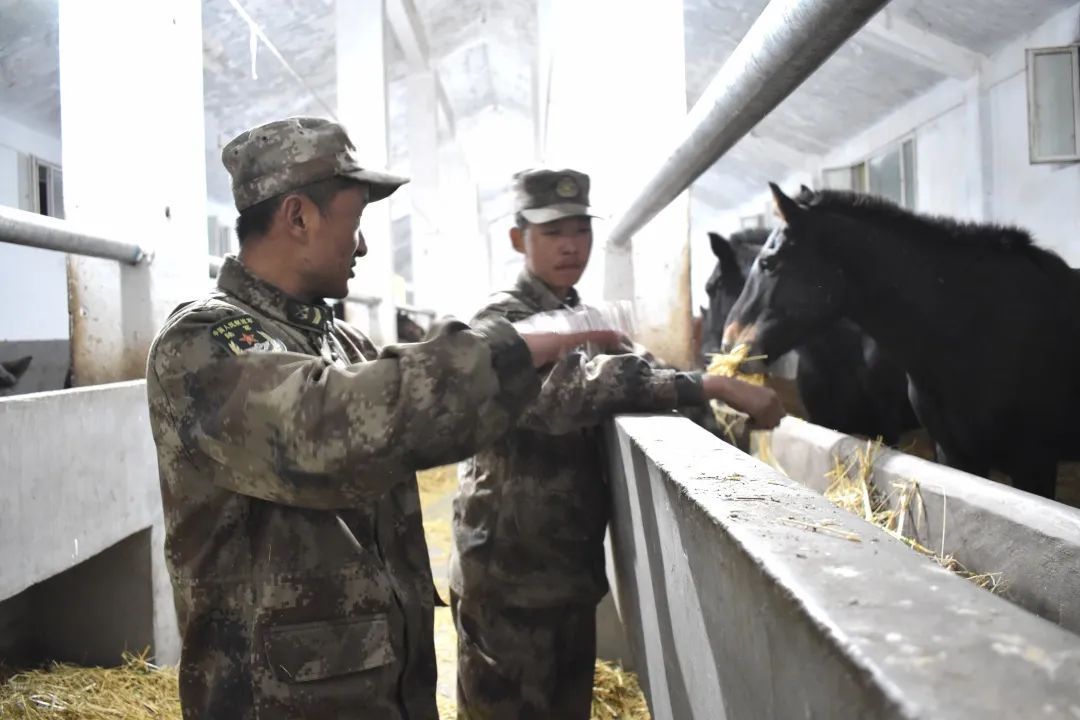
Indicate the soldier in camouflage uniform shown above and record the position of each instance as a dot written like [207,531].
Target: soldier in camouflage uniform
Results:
[531,513]
[287,446]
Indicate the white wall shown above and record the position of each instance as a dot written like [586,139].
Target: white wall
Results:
[1044,199]
[33,283]
[959,172]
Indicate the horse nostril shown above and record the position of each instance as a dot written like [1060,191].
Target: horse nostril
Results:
[731,334]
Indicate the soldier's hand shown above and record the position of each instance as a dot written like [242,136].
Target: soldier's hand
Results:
[762,404]
[546,348]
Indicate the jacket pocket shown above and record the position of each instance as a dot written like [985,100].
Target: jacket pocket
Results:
[319,650]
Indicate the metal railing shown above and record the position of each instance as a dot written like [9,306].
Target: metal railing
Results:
[32,230]
[412,309]
[786,44]
[369,300]
[19,227]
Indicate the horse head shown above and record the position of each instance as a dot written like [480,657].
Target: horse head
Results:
[792,289]
[734,257]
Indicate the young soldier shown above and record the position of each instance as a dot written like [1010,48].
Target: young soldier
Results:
[530,516]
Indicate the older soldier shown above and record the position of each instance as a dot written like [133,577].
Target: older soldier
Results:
[530,516]
[287,447]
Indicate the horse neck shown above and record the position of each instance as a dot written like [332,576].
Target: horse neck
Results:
[901,291]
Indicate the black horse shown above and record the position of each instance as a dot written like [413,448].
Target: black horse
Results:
[12,370]
[983,321]
[408,330]
[844,380]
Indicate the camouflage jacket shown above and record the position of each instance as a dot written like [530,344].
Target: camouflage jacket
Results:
[532,509]
[287,448]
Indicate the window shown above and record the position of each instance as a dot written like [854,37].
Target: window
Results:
[848,178]
[401,234]
[220,237]
[41,187]
[1053,88]
[890,174]
[752,222]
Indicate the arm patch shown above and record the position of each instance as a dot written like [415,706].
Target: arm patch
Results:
[242,334]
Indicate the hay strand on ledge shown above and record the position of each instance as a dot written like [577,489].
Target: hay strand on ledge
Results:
[852,489]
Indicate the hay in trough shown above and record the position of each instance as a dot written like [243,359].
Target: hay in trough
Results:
[136,689]
[852,489]
[617,694]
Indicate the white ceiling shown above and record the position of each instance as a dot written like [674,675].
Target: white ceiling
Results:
[483,51]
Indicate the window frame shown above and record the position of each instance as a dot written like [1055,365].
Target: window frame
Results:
[860,171]
[1074,52]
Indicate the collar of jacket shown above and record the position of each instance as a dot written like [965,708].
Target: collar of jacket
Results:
[538,294]
[235,279]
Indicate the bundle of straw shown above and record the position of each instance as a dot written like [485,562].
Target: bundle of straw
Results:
[729,364]
[732,422]
[617,694]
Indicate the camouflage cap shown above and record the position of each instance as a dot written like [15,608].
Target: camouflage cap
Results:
[542,195]
[285,155]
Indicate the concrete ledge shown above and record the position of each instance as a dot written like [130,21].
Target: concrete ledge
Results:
[79,476]
[987,526]
[742,598]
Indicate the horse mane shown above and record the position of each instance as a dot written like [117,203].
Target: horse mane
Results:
[872,208]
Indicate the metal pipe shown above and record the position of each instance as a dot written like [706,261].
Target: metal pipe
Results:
[786,44]
[369,300]
[25,228]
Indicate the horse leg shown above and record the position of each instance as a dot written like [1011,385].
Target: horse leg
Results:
[1035,472]
[963,462]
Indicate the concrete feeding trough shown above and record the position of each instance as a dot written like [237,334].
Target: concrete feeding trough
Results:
[745,594]
[82,562]
[1034,543]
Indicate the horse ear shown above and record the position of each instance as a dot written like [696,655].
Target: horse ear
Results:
[723,251]
[803,190]
[787,209]
[716,240]
[18,367]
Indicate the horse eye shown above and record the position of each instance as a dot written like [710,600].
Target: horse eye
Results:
[768,262]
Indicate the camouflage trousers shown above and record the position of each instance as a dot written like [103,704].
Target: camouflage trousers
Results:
[524,663]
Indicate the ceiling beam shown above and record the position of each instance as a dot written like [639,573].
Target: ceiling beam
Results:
[891,33]
[407,27]
[258,31]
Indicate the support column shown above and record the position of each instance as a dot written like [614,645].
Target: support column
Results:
[423,121]
[636,94]
[980,149]
[463,243]
[134,168]
[362,103]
